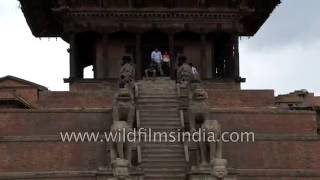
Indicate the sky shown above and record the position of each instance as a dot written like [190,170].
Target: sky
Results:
[283,55]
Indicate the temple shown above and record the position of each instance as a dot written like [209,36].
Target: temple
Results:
[206,33]
[100,32]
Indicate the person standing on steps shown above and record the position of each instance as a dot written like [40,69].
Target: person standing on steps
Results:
[166,63]
[195,72]
[156,57]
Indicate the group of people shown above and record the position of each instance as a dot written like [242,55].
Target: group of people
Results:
[160,63]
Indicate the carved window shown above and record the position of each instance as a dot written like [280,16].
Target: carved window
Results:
[187,3]
[84,3]
[119,3]
[154,3]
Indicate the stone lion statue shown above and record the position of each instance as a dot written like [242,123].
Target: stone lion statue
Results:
[184,72]
[123,108]
[123,114]
[198,108]
[127,73]
[211,150]
[120,149]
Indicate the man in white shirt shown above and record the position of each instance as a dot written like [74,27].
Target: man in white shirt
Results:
[156,57]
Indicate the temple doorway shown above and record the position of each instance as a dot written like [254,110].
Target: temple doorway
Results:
[154,40]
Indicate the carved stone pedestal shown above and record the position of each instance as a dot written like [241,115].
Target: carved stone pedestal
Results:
[209,177]
[204,173]
[108,174]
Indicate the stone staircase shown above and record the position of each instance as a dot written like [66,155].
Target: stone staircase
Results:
[158,109]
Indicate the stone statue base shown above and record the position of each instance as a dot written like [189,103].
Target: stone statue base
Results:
[209,177]
[203,172]
[106,173]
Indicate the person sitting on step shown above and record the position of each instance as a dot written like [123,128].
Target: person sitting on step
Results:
[153,70]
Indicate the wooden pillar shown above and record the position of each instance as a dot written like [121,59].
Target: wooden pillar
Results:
[73,57]
[213,60]
[104,3]
[236,57]
[230,59]
[130,3]
[203,56]
[101,64]
[139,65]
[172,55]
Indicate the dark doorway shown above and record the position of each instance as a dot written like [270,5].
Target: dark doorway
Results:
[149,42]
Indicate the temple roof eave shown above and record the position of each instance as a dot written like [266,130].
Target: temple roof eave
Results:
[44,22]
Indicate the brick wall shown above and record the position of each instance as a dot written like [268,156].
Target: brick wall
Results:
[267,121]
[275,154]
[62,100]
[32,123]
[240,98]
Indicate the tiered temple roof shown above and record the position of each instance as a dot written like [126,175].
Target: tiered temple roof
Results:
[51,18]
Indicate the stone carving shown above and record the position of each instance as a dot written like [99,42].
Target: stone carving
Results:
[120,149]
[198,107]
[120,170]
[127,73]
[210,152]
[123,114]
[123,108]
[212,149]
[184,72]
[220,170]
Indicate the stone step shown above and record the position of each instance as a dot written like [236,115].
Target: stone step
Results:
[163,150]
[152,170]
[162,159]
[162,104]
[157,105]
[157,86]
[153,154]
[163,145]
[157,91]
[167,171]
[164,88]
[157,97]
[157,83]
[159,118]
[165,177]
[161,111]
[164,127]
[164,130]
[172,124]
[157,94]
[161,164]
[157,100]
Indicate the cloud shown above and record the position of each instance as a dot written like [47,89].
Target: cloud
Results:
[284,54]
[292,22]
